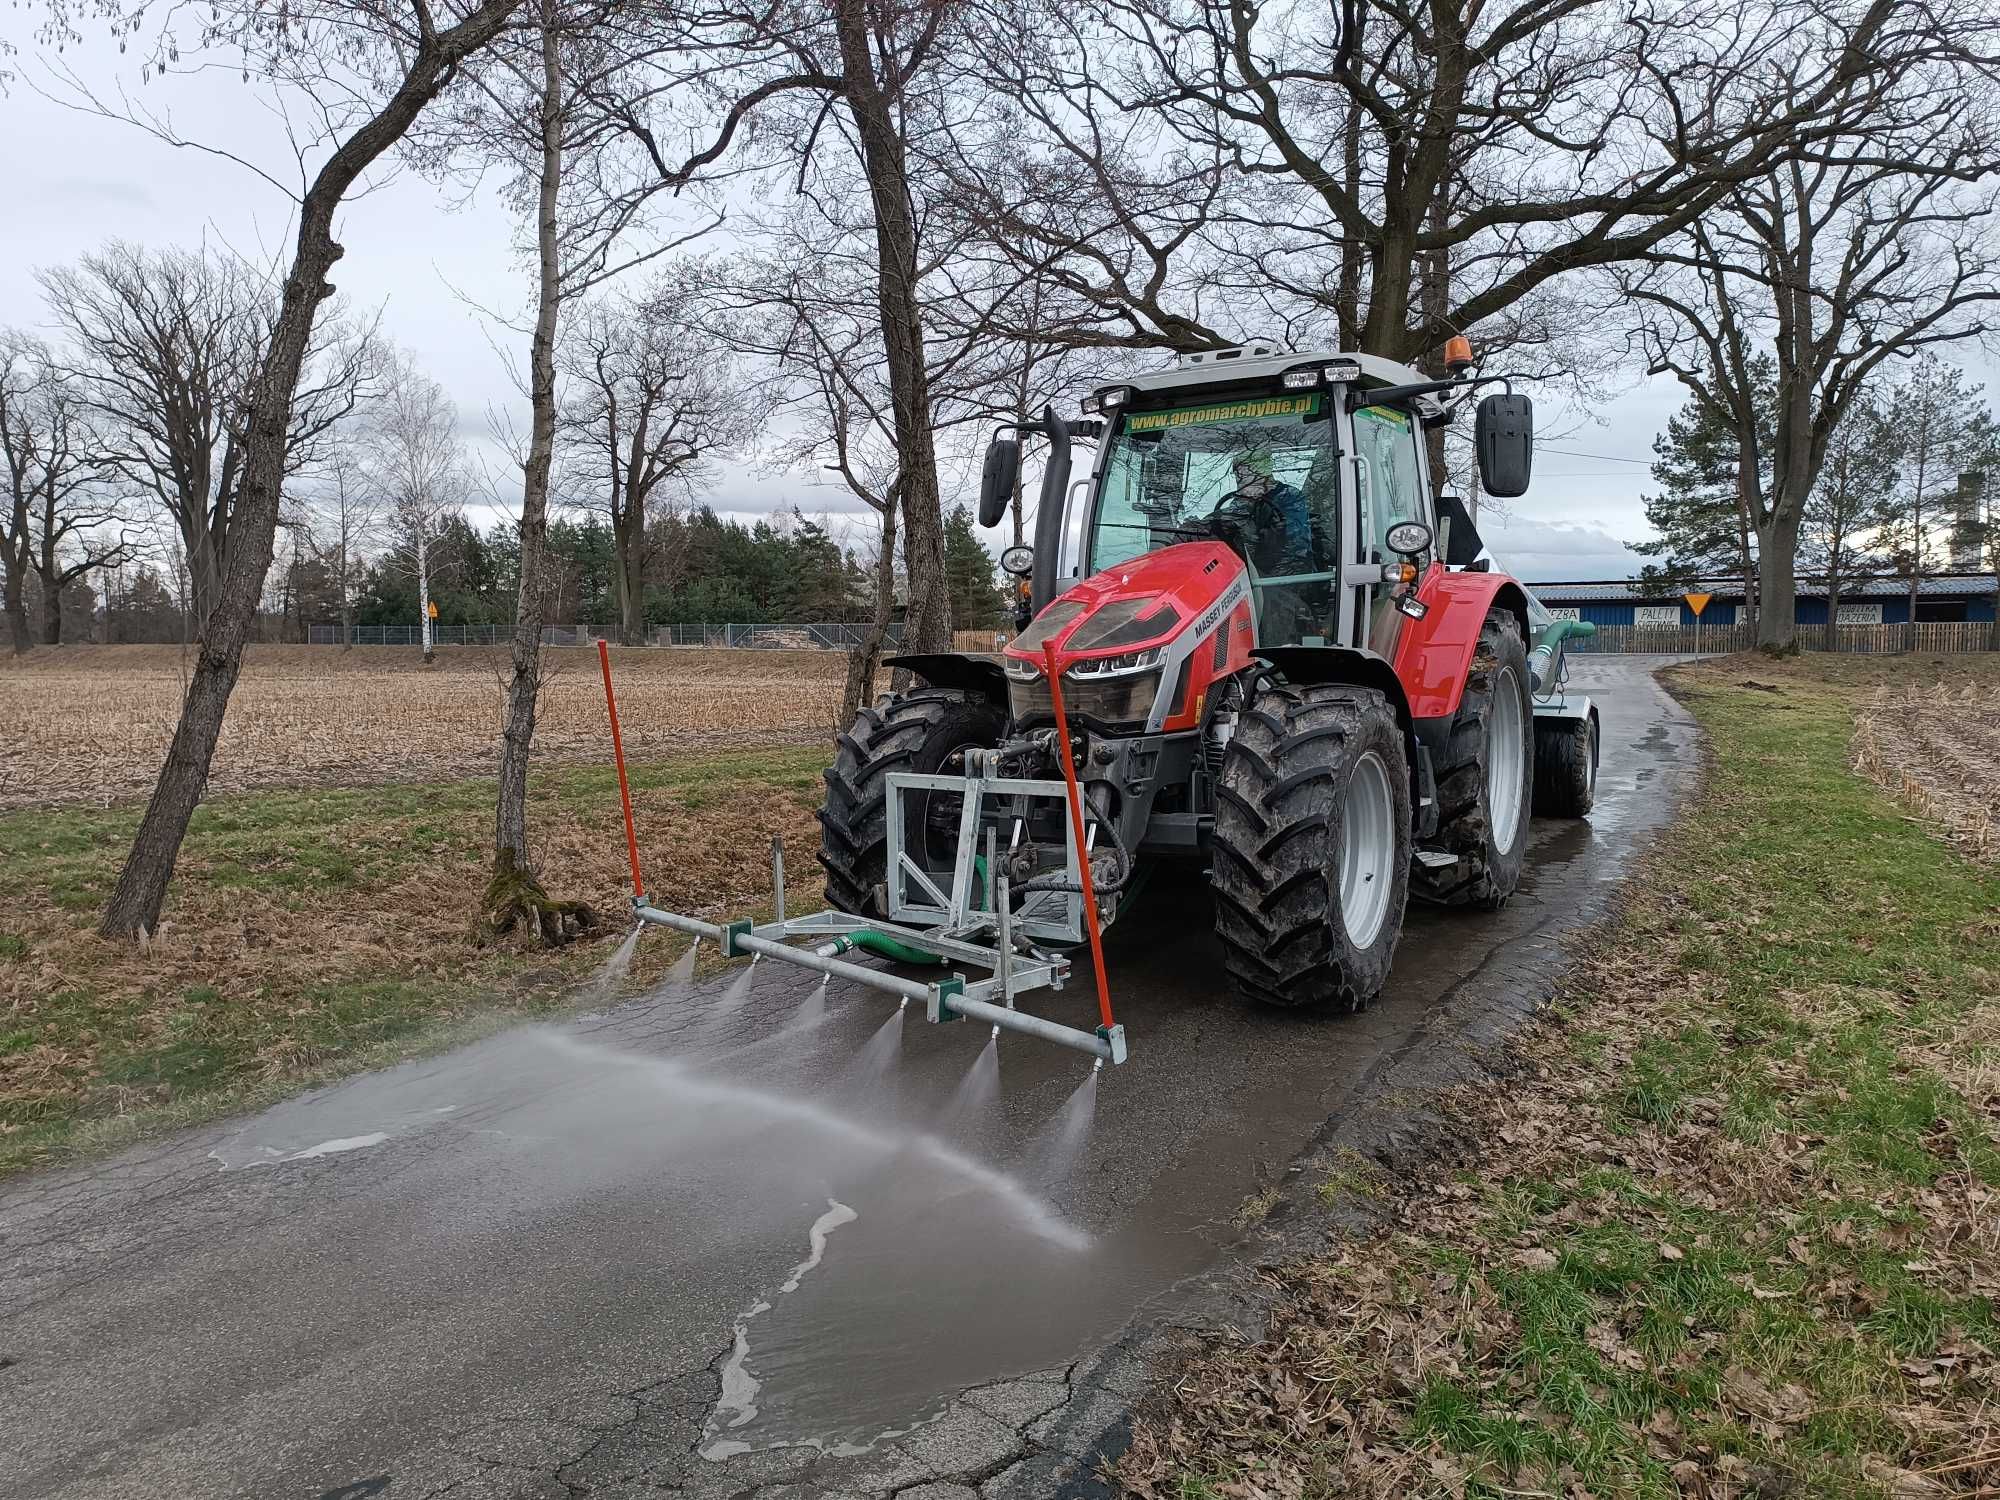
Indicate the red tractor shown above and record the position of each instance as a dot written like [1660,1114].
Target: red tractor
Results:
[1254,639]
[1282,655]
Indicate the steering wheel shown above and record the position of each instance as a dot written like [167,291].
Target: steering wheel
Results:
[1237,513]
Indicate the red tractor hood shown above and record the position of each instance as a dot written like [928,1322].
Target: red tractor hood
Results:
[1136,605]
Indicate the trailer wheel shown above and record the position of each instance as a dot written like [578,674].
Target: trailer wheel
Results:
[923,732]
[1565,768]
[1312,846]
[1485,779]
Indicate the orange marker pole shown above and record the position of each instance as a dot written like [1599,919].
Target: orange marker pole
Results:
[1076,827]
[618,754]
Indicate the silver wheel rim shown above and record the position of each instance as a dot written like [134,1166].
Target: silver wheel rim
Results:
[1590,751]
[1503,759]
[1367,851]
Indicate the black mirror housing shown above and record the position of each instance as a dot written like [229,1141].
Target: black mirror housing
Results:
[998,478]
[1503,435]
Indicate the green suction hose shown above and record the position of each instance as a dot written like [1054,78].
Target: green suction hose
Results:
[903,953]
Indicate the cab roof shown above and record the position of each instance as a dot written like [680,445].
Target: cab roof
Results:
[1260,362]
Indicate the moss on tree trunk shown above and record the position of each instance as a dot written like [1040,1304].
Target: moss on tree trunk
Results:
[516,905]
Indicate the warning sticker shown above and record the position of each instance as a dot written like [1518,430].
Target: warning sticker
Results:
[1228,411]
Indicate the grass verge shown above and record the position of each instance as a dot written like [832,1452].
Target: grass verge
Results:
[1733,1229]
[310,933]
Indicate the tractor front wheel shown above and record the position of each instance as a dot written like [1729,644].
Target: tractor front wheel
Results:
[1485,779]
[1312,846]
[925,732]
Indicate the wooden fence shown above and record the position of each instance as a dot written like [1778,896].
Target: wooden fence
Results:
[1674,640]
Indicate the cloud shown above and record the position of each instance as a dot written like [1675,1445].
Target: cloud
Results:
[1555,551]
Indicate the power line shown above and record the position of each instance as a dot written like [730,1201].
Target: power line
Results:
[1610,458]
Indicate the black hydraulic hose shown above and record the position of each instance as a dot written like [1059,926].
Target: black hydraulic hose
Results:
[1049,518]
[1126,865]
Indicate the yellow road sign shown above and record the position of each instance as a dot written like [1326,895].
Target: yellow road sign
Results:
[434,607]
[1697,602]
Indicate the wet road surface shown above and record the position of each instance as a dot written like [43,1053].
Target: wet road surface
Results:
[734,1238]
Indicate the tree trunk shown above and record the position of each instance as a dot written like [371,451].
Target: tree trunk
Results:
[346,599]
[865,659]
[928,625]
[51,615]
[16,606]
[510,824]
[424,591]
[1777,584]
[629,567]
[1833,612]
[142,885]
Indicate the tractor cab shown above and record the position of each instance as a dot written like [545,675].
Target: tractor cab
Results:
[1307,466]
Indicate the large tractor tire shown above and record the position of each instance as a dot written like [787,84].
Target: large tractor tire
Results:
[925,732]
[1565,768]
[1312,846]
[1485,779]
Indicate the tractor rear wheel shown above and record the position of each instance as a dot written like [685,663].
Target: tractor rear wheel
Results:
[1565,768]
[925,732]
[1485,779]
[1312,846]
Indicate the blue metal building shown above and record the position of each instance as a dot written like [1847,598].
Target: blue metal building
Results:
[1945,598]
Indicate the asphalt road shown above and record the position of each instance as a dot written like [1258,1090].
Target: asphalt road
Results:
[770,1242]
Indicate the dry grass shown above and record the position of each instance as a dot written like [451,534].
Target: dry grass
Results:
[305,929]
[1731,1228]
[91,724]
[1938,748]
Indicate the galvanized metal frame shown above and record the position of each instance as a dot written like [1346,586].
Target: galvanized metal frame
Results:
[1057,920]
[953,928]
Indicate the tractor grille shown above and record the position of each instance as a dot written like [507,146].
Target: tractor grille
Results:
[1108,703]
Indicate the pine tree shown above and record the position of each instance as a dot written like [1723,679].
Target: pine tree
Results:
[976,602]
[1703,524]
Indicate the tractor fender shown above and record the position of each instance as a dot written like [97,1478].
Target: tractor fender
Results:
[1434,654]
[1365,668]
[954,669]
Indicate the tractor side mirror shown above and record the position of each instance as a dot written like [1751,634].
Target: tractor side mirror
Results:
[1503,434]
[997,479]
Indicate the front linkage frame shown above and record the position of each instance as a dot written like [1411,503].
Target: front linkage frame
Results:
[974,921]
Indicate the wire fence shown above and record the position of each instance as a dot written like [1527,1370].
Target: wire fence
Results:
[1719,640]
[820,635]
[1710,640]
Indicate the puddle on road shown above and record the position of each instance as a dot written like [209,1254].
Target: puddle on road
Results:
[925,1269]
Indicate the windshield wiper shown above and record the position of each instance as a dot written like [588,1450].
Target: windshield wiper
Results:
[1171,530]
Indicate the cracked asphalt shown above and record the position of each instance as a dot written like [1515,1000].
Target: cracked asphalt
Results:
[762,1243]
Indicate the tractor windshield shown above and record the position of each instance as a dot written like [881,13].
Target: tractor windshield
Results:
[1258,474]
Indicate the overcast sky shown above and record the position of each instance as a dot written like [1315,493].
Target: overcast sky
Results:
[75,181]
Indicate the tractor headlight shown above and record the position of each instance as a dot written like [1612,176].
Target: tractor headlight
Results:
[1119,666]
[1111,692]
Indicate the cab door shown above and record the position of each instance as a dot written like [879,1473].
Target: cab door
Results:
[1389,476]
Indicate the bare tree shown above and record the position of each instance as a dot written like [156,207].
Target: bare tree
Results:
[652,402]
[165,346]
[416,463]
[372,73]
[56,498]
[776,90]
[1848,505]
[1943,435]
[1192,171]
[342,511]
[1879,245]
